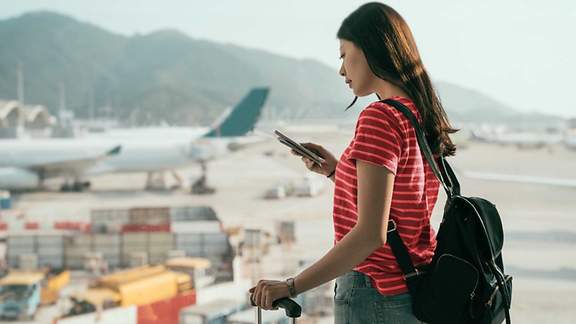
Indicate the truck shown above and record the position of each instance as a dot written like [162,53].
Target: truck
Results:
[158,292]
[23,292]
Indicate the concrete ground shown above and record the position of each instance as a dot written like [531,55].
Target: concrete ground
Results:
[539,220]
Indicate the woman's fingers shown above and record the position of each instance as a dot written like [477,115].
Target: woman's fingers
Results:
[309,163]
[311,145]
[315,147]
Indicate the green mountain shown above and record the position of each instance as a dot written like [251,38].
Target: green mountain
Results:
[169,76]
[164,75]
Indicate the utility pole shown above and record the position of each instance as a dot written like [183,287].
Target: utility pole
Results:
[20,82]
[62,97]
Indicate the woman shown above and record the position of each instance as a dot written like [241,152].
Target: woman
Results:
[380,176]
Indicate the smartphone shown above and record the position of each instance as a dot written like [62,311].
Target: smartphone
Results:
[299,148]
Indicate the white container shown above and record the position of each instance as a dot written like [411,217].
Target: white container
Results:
[108,220]
[192,213]
[21,240]
[310,186]
[196,227]
[160,238]
[49,239]
[277,192]
[149,215]
[135,238]
[28,262]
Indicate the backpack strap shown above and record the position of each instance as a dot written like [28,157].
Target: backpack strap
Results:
[402,257]
[449,184]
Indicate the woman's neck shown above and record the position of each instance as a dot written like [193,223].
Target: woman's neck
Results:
[386,90]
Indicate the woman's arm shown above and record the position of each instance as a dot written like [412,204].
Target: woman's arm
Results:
[375,186]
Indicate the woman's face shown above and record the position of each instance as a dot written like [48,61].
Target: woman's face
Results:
[355,69]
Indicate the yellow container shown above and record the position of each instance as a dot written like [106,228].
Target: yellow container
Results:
[149,289]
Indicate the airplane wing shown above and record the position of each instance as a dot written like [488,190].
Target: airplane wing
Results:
[75,166]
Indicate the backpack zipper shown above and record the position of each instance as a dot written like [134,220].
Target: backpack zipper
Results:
[493,294]
[473,293]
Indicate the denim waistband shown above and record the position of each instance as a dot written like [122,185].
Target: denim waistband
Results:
[354,279]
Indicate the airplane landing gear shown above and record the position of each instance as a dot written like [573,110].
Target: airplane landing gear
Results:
[200,187]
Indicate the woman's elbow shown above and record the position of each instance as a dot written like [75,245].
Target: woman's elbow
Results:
[372,237]
[376,239]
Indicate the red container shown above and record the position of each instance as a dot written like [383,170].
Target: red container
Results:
[72,226]
[127,228]
[3,226]
[165,311]
[31,226]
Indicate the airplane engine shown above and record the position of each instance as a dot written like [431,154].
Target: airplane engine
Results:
[15,178]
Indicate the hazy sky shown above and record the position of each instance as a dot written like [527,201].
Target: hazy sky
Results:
[519,52]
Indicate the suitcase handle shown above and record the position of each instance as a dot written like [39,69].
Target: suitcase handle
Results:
[293,310]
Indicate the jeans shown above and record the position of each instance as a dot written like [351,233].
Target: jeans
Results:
[356,301]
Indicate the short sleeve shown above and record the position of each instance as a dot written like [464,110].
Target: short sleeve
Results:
[377,139]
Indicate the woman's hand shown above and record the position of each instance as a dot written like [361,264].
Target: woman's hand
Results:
[268,291]
[326,167]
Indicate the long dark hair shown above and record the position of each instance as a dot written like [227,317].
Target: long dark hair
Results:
[392,55]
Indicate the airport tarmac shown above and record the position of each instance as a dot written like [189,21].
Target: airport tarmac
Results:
[539,220]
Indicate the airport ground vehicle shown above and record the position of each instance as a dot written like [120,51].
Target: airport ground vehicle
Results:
[23,292]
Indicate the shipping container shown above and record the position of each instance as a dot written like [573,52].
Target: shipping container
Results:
[76,249]
[108,220]
[110,245]
[47,246]
[149,215]
[285,231]
[196,227]
[127,228]
[192,213]
[160,238]
[166,311]
[136,259]
[27,262]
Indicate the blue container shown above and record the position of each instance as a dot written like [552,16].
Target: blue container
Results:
[5,200]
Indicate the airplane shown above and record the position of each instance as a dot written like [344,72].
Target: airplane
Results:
[25,164]
[522,140]
[570,139]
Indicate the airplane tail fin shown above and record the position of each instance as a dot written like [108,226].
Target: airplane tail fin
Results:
[243,116]
[115,151]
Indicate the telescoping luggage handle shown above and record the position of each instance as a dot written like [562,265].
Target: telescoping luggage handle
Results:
[293,310]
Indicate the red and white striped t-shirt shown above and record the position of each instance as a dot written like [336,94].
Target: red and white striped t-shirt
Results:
[386,138]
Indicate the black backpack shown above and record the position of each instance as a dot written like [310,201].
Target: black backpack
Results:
[465,282]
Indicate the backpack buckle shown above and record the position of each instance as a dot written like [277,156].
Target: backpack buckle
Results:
[391,223]
[410,275]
